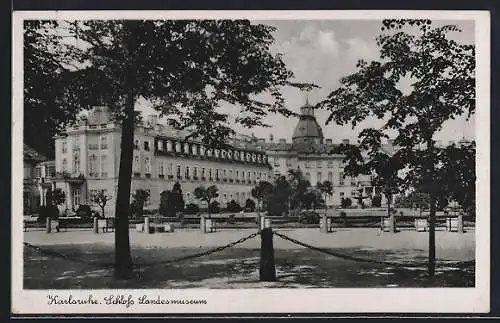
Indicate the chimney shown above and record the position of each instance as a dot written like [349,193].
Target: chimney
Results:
[345,141]
[328,141]
[282,141]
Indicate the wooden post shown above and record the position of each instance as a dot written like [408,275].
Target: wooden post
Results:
[267,270]
[146,225]
[96,226]
[203,226]
[48,222]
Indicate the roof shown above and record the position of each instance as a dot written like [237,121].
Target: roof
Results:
[308,127]
[31,154]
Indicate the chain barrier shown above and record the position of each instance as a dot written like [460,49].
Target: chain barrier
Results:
[143,265]
[347,257]
[200,254]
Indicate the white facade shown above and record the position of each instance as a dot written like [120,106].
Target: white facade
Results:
[88,157]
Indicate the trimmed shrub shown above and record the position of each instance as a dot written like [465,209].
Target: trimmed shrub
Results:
[377,201]
[233,206]
[191,209]
[249,205]
[50,211]
[345,202]
[214,207]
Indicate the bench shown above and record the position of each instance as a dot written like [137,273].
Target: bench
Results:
[106,225]
[153,227]
[452,224]
[54,224]
[421,225]
[210,226]
[385,224]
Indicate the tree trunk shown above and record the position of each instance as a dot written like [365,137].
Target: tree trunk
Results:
[123,259]
[102,209]
[432,237]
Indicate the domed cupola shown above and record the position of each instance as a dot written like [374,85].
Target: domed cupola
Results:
[307,131]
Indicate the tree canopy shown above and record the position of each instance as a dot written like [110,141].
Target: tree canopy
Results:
[47,62]
[186,69]
[441,76]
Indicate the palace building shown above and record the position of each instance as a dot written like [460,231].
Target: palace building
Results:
[317,158]
[88,156]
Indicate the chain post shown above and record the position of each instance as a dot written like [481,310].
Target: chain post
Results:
[267,270]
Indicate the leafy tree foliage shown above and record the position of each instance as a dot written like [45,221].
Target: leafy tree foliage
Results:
[213,207]
[262,193]
[55,197]
[185,68]
[345,202]
[233,206]
[101,199]
[299,186]
[138,200]
[172,201]
[47,62]
[442,76]
[207,194]
[377,200]
[192,209]
[249,205]
[326,189]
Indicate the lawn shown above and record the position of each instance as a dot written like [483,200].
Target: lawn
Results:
[235,268]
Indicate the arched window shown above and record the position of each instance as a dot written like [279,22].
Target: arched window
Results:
[330,177]
[319,177]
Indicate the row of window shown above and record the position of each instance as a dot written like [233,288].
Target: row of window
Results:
[50,171]
[200,150]
[94,143]
[94,169]
[198,173]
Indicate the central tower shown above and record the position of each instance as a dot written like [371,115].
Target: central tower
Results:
[307,131]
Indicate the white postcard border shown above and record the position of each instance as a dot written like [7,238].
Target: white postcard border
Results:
[321,300]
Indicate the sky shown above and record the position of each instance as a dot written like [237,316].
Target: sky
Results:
[322,52]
